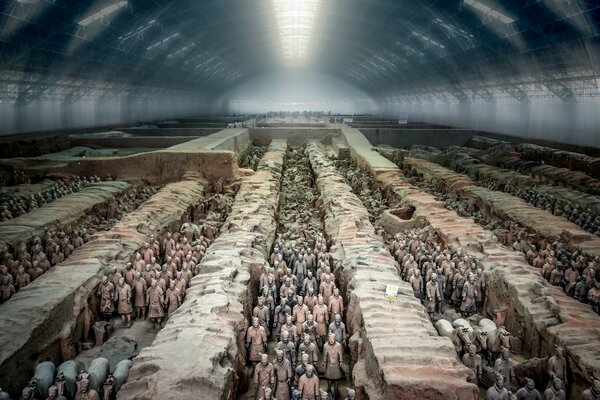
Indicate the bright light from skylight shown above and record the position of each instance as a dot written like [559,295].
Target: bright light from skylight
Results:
[428,40]
[295,19]
[103,14]
[488,11]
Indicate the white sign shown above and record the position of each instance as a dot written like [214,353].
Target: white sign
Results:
[391,291]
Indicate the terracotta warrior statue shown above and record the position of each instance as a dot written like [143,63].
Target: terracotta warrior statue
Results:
[287,346]
[504,367]
[155,299]
[53,394]
[336,304]
[321,316]
[107,294]
[528,392]
[332,361]
[338,328]
[468,305]
[140,288]
[555,391]
[432,295]
[256,341]
[299,313]
[173,298]
[557,365]
[472,360]
[264,376]
[309,348]
[85,392]
[497,391]
[593,393]
[283,376]
[124,302]
[308,384]
[263,314]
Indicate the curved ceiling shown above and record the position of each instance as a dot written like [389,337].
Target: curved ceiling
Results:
[383,47]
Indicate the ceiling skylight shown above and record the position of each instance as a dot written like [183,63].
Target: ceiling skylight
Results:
[103,14]
[295,19]
[489,12]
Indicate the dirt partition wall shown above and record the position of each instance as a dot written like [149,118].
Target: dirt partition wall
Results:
[200,353]
[295,136]
[399,354]
[506,206]
[213,156]
[46,320]
[60,213]
[534,311]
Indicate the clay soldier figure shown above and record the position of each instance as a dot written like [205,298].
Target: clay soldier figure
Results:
[173,298]
[504,367]
[555,392]
[256,340]
[326,289]
[472,360]
[29,391]
[23,278]
[264,277]
[300,271]
[310,328]
[321,315]
[432,295]
[528,392]
[139,263]
[281,313]
[338,328]
[264,375]
[148,275]
[111,212]
[417,283]
[155,299]
[283,376]
[7,289]
[332,362]
[129,274]
[309,348]
[289,327]
[124,300]
[336,304]
[84,392]
[262,313]
[308,384]
[310,300]
[140,288]
[497,391]
[301,368]
[269,302]
[557,365]
[457,284]
[286,288]
[469,295]
[53,394]
[593,393]
[287,346]
[107,294]
[309,282]
[299,314]
[168,244]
